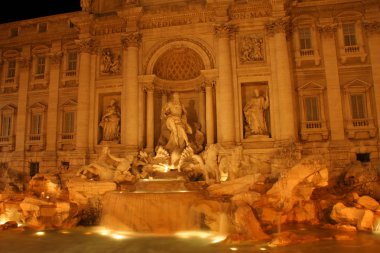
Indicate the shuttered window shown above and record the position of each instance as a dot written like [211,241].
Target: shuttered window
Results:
[358,106]
[312,108]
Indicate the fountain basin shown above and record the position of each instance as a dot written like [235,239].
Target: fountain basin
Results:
[162,212]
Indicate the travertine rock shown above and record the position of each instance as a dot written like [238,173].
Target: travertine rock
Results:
[343,214]
[368,203]
[366,221]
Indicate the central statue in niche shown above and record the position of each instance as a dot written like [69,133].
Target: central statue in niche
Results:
[174,135]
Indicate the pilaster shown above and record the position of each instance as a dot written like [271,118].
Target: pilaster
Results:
[328,31]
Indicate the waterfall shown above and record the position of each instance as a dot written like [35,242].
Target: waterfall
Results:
[150,212]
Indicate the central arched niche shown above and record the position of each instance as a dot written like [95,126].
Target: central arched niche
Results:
[178,64]
[178,69]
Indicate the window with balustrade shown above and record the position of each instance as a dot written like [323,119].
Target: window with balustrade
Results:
[313,125]
[7,118]
[305,41]
[68,125]
[40,67]
[36,136]
[358,110]
[350,38]
[70,65]
[9,77]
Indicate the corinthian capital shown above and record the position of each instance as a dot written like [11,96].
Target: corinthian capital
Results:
[278,25]
[56,57]
[328,29]
[24,62]
[372,27]
[86,45]
[225,30]
[132,39]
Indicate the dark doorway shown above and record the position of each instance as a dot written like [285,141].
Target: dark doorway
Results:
[34,168]
[65,165]
[363,157]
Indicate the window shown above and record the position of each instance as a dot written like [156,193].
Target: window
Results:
[358,110]
[36,124]
[14,32]
[358,106]
[11,73]
[305,38]
[349,34]
[72,61]
[42,27]
[40,70]
[68,122]
[313,126]
[65,165]
[311,108]
[6,125]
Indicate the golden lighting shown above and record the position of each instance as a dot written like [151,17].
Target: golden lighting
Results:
[233,249]
[40,233]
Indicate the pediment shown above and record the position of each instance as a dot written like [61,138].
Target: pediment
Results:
[70,102]
[311,86]
[9,108]
[357,84]
[40,49]
[11,53]
[38,105]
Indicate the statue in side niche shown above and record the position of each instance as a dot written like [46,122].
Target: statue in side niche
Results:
[110,122]
[174,115]
[254,112]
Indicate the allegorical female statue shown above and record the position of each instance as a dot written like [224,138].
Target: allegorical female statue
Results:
[254,112]
[110,122]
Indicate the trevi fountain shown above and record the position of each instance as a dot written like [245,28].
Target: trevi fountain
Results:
[178,200]
[171,140]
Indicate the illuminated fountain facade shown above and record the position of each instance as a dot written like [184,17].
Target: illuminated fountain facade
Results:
[246,114]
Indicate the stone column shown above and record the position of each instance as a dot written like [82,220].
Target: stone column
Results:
[225,95]
[18,157]
[24,63]
[49,159]
[93,118]
[147,82]
[373,34]
[86,47]
[210,124]
[52,112]
[130,124]
[149,117]
[333,83]
[202,108]
[278,29]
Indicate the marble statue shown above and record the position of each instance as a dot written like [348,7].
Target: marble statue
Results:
[85,4]
[100,169]
[174,115]
[254,114]
[110,122]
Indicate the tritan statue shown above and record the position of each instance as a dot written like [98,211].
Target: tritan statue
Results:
[174,115]
[254,112]
[110,122]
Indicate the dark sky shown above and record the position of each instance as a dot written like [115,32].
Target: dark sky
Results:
[27,9]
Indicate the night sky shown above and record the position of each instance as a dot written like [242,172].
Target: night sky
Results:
[27,9]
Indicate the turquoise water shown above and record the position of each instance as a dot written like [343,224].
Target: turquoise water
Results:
[94,240]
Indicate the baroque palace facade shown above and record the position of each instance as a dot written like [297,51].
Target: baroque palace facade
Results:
[252,73]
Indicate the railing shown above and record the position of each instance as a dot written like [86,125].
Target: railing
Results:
[360,122]
[313,124]
[71,73]
[352,49]
[10,80]
[35,137]
[68,136]
[6,139]
[39,76]
[306,52]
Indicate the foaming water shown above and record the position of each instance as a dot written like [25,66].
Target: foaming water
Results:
[151,212]
[103,240]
